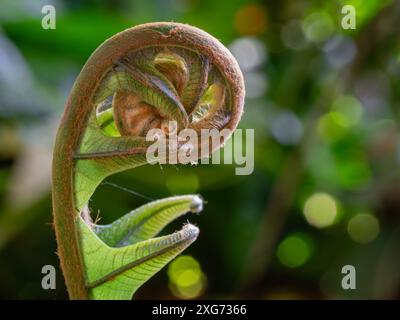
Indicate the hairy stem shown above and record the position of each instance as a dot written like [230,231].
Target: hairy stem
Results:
[80,147]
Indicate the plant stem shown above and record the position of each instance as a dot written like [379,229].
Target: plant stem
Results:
[80,105]
[64,211]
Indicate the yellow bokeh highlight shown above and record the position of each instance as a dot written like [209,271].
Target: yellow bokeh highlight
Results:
[363,228]
[332,126]
[186,279]
[346,112]
[251,20]
[349,108]
[320,210]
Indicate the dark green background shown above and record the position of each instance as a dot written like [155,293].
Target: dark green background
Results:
[303,145]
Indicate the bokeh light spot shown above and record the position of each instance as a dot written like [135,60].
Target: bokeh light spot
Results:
[287,128]
[320,210]
[256,84]
[363,228]
[349,107]
[353,173]
[294,250]
[186,279]
[332,126]
[249,52]
[318,27]
[251,20]
[292,35]
[340,51]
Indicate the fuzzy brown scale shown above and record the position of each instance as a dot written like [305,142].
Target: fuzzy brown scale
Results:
[133,116]
[184,75]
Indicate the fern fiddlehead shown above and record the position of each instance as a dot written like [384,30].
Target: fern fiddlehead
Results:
[136,81]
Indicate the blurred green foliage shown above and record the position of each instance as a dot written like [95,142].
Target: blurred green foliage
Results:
[324,104]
